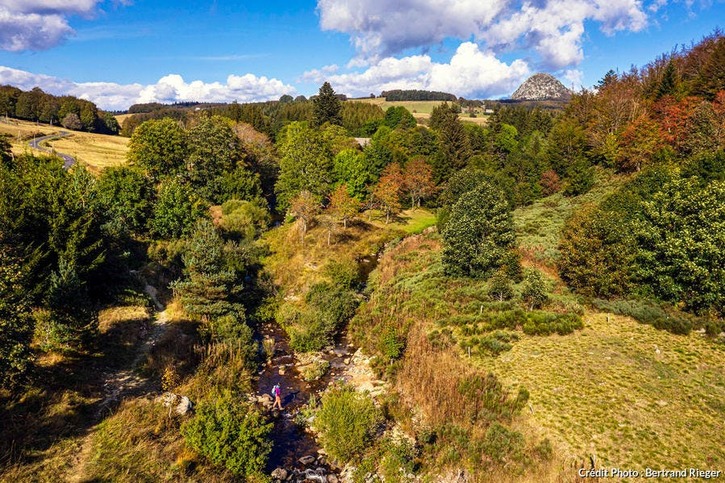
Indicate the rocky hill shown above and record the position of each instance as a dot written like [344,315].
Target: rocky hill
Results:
[542,87]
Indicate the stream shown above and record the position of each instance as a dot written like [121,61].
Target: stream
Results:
[294,448]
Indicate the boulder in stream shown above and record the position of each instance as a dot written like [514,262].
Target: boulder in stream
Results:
[306,460]
[279,474]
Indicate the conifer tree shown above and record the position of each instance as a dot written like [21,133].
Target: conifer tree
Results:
[327,107]
[209,286]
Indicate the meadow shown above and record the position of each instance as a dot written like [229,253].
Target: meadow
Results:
[421,110]
[95,151]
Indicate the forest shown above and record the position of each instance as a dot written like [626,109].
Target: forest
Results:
[532,228]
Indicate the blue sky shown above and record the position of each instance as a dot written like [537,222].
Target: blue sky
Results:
[119,52]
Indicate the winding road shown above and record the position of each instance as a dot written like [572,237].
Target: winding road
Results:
[68,160]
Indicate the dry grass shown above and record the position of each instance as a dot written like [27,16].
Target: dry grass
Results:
[122,117]
[626,392]
[633,396]
[96,151]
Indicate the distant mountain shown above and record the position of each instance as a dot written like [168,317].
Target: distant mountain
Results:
[542,87]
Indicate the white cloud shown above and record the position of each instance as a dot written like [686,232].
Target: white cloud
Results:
[39,24]
[381,28]
[170,88]
[554,29]
[471,72]
[575,78]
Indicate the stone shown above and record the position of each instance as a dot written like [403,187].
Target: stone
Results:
[279,474]
[184,406]
[314,476]
[332,479]
[168,399]
[306,460]
[282,370]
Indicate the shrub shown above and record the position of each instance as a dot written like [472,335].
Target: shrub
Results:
[503,445]
[347,422]
[545,323]
[499,286]
[534,290]
[343,273]
[646,313]
[230,433]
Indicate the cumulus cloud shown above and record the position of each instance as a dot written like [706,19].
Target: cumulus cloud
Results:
[382,28]
[554,29]
[471,72]
[39,24]
[170,88]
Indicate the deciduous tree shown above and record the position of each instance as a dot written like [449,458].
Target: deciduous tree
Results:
[418,181]
[479,235]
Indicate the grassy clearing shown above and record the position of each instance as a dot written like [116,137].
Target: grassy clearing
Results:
[421,110]
[632,395]
[96,151]
[411,222]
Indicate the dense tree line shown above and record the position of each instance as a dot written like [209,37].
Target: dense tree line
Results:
[68,111]
[416,95]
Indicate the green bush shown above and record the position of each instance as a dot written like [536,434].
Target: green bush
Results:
[646,313]
[503,445]
[545,323]
[347,422]
[534,290]
[343,273]
[230,433]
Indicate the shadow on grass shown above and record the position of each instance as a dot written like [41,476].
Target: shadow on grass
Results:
[66,398]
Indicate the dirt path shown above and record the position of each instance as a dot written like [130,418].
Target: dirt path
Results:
[123,384]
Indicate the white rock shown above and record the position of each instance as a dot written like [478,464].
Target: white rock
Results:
[184,406]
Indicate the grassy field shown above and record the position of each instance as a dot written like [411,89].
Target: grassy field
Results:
[421,110]
[96,151]
[632,395]
[409,222]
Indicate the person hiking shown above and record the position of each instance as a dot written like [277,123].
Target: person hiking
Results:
[277,393]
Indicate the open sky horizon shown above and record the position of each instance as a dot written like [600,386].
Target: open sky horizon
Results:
[120,52]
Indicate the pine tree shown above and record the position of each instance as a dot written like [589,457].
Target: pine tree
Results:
[327,107]
[209,287]
[16,329]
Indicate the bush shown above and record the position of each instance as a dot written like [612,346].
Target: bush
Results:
[230,433]
[347,422]
[646,313]
[503,445]
[534,290]
[545,323]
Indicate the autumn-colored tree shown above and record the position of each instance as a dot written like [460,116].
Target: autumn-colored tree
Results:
[388,190]
[304,207]
[343,207]
[550,182]
[418,181]
[639,142]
